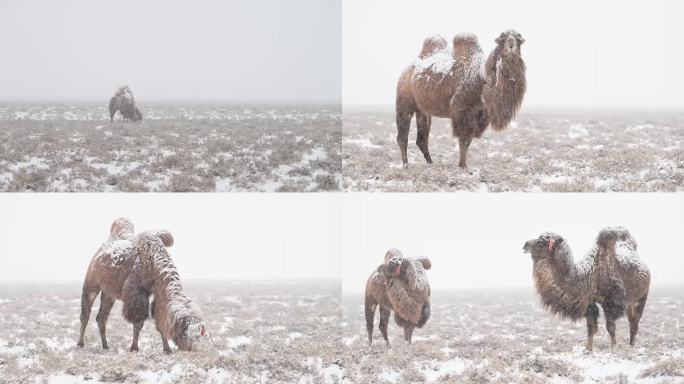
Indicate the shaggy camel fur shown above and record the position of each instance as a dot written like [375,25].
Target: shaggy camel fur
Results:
[131,268]
[460,85]
[124,102]
[610,275]
[400,285]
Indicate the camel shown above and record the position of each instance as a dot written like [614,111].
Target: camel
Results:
[124,102]
[399,284]
[131,268]
[460,85]
[611,275]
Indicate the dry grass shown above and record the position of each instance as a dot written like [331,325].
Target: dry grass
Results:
[505,336]
[311,333]
[198,148]
[278,332]
[552,152]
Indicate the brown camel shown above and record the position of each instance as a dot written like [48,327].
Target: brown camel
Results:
[124,102]
[460,85]
[611,275]
[131,268]
[400,284]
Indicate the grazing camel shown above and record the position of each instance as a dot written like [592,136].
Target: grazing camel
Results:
[131,268]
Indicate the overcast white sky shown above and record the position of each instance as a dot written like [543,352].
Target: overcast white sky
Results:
[579,54]
[52,237]
[476,240]
[236,50]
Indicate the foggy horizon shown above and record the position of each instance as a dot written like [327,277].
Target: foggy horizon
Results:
[77,50]
[53,237]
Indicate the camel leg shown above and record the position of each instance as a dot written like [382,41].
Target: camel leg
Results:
[370,306]
[634,316]
[106,304]
[165,342]
[405,112]
[592,325]
[424,121]
[136,332]
[384,321]
[88,296]
[610,327]
[463,145]
[408,333]
[165,345]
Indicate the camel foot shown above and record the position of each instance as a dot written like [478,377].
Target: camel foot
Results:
[133,348]
[167,351]
[405,165]
[80,344]
[105,346]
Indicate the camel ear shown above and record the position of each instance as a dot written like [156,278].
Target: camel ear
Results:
[499,39]
[551,244]
[521,40]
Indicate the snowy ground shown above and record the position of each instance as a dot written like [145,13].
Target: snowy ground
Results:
[541,151]
[506,337]
[280,332]
[175,148]
[305,333]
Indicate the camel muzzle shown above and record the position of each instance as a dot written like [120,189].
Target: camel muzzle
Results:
[527,248]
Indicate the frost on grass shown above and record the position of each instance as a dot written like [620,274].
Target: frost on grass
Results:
[492,336]
[240,349]
[174,149]
[540,151]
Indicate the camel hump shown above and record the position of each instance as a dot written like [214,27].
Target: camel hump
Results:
[465,44]
[152,235]
[431,45]
[608,236]
[122,228]
[427,264]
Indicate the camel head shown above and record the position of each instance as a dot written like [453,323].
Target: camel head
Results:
[136,115]
[550,249]
[395,266]
[391,253]
[509,43]
[188,330]
[545,246]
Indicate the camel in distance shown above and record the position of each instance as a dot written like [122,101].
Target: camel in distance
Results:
[124,102]
[459,84]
